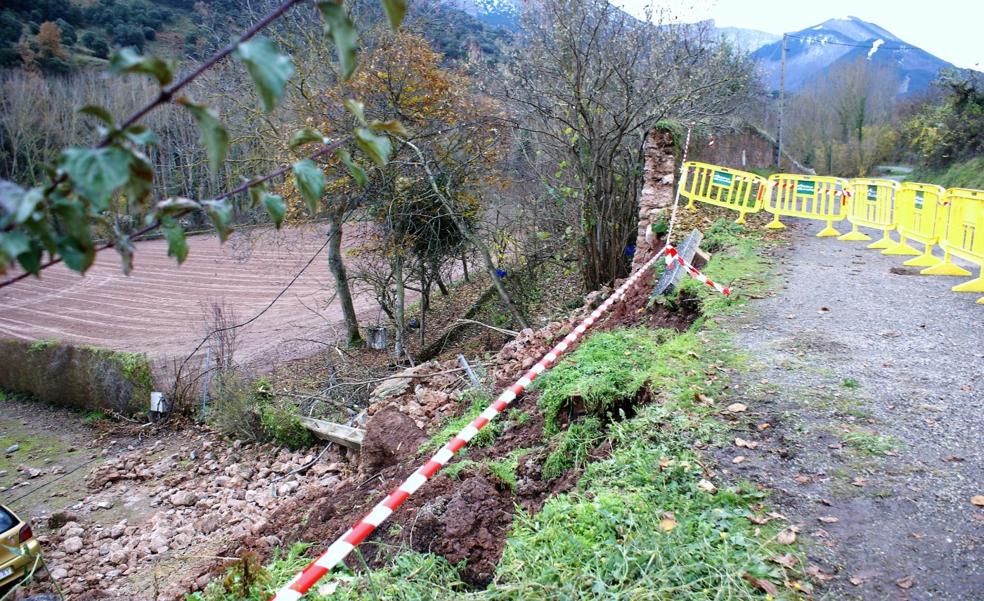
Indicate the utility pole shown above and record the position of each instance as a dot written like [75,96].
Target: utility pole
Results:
[782,102]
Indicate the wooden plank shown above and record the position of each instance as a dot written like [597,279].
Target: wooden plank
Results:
[671,277]
[337,433]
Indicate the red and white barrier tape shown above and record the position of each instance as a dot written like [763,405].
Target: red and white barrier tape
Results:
[334,554]
[672,255]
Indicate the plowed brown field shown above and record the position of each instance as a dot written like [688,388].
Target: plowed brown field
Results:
[159,308]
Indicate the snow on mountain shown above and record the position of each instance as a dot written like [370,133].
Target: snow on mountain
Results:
[814,50]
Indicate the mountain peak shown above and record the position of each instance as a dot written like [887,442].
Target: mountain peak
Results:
[813,51]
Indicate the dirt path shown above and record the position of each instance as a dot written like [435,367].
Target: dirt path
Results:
[871,385]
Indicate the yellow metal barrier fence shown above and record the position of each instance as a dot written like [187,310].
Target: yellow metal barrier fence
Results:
[964,236]
[921,214]
[872,205]
[809,197]
[729,188]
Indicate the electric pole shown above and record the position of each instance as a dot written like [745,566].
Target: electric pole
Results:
[782,102]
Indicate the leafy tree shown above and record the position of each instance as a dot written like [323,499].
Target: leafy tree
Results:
[127,34]
[950,129]
[68,33]
[96,43]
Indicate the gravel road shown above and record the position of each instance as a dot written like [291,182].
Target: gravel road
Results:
[871,381]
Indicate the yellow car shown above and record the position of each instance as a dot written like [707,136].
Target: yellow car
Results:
[18,548]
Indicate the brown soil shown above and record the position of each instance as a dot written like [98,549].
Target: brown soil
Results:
[158,309]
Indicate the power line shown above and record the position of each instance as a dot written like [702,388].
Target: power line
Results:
[880,47]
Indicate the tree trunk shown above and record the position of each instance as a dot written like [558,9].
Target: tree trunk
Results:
[400,297]
[440,283]
[342,288]
[464,265]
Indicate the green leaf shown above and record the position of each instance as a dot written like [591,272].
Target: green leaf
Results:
[395,10]
[342,33]
[310,182]
[357,109]
[357,172]
[306,136]
[30,259]
[127,60]
[377,147]
[177,246]
[141,135]
[256,194]
[269,69]
[78,255]
[220,212]
[12,245]
[141,183]
[99,113]
[391,127]
[176,206]
[96,173]
[275,207]
[213,135]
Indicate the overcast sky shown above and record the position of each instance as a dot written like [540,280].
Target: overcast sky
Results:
[950,29]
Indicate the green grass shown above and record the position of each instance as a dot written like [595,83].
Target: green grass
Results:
[503,470]
[966,174]
[643,523]
[871,443]
[608,368]
[575,444]
[850,383]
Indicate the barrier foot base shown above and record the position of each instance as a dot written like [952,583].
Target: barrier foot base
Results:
[901,249]
[854,236]
[925,260]
[980,301]
[828,232]
[945,268]
[883,243]
[775,225]
[741,219]
[975,285]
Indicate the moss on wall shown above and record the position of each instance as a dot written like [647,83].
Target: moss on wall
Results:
[81,377]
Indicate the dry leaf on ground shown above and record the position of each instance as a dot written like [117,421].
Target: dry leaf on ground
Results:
[819,574]
[761,583]
[977,500]
[786,537]
[906,583]
[737,407]
[828,519]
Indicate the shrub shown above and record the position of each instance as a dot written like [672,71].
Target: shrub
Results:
[247,410]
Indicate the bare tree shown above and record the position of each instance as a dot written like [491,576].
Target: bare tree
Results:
[589,80]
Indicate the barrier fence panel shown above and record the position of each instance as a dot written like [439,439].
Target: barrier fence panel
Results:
[921,214]
[722,187]
[965,234]
[808,196]
[872,206]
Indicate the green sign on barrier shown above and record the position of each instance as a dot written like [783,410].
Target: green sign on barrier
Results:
[919,200]
[805,188]
[872,193]
[720,178]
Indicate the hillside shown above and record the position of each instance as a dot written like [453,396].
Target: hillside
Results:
[816,49]
[87,32]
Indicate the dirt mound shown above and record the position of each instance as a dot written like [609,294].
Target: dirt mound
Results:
[390,436]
